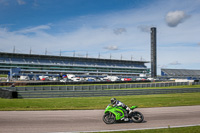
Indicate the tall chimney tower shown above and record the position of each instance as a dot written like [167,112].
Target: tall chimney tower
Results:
[153,53]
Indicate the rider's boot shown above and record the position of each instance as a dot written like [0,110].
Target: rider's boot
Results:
[126,119]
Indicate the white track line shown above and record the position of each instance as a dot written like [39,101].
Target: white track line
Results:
[130,129]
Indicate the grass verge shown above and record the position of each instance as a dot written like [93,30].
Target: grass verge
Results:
[161,100]
[193,129]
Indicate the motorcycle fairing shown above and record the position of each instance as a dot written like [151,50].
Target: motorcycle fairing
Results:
[133,107]
[117,111]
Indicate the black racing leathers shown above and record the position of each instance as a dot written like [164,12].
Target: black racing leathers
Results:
[119,103]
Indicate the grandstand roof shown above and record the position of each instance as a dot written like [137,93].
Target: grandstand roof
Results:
[67,57]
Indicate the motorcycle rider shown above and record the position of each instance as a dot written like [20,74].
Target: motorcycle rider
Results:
[116,102]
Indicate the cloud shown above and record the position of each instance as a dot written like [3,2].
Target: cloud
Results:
[21,2]
[162,66]
[175,63]
[111,47]
[4,2]
[173,19]
[118,31]
[145,28]
[34,29]
[35,3]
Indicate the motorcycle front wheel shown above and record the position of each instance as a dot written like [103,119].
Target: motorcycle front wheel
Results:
[109,118]
[137,117]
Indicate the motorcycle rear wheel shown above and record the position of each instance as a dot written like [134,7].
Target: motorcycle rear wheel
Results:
[137,117]
[109,118]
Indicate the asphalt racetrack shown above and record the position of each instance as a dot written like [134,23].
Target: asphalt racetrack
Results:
[91,120]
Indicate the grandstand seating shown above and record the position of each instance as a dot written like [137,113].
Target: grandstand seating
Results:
[57,64]
[180,72]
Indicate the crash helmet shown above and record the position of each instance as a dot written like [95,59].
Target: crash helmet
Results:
[113,100]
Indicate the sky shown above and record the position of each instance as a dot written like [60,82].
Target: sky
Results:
[116,29]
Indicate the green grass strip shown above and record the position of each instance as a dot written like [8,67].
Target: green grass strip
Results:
[143,101]
[3,75]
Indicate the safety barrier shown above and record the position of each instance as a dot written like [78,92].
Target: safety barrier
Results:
[9,94]
[98,87]
[98,90]
[56,94]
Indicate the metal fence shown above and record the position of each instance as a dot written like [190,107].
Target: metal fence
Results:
[100,90]
[56,94]
[98,87]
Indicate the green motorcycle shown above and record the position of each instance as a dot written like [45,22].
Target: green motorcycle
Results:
[113,114]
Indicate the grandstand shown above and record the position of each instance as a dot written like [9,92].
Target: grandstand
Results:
[180,73]
[32,63]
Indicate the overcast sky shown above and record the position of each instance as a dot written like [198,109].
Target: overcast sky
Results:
[109,28]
